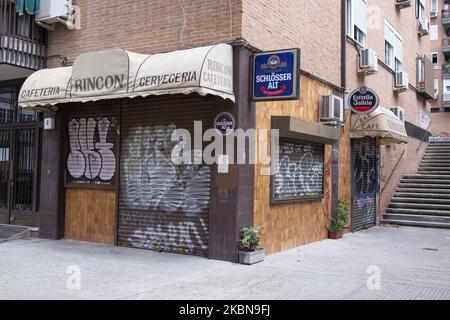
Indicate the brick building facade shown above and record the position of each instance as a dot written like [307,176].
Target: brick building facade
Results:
[395,160]
[332,36]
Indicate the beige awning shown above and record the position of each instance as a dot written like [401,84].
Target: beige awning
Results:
[118,73]
[381,123]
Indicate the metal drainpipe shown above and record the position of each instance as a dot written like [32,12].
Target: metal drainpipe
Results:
[343,85]
[343,45]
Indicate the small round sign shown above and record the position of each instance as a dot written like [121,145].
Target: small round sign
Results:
[224,122]
[363,100]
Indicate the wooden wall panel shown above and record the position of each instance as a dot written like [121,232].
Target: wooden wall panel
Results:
[90,215]
[288,225]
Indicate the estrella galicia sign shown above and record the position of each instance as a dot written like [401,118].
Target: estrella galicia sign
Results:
[224,122]
[363,100]
[276,75]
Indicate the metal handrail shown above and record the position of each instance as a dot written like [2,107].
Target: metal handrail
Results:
[393,170]
[422,140]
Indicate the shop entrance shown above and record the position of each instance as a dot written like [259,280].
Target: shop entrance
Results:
[365,183]
[19,158]
[163,206]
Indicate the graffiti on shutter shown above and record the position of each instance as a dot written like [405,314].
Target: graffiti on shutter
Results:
[91,156]
[365,179]
[164,202]
[300,172]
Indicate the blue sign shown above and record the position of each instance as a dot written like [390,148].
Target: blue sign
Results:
[276,75]
[224,122]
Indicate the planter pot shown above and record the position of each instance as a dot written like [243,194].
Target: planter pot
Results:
[335,234]
[251,257]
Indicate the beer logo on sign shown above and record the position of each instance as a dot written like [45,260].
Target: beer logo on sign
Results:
[363,100]
[224,123]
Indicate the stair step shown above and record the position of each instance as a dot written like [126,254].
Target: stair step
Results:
[427,176]
[435,164]
[442,162]
[433,172]
[436,161]
[436,188]
[416,217]
[437,147]
[437,150]
[418,211]
[427,206]
[435,158]
[398,199]
[426,181]
[402,194]
[421,224]
[435,168]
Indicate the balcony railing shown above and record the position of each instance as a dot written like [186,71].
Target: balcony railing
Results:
[22,42]
[446,100]
[446,70]
[446,45]
[445,17]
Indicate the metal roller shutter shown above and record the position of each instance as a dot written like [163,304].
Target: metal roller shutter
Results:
[299,175]
[365,183]
[163,206]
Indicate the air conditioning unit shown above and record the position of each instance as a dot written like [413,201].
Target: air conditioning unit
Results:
[401,81]
[399,112]
[402,3]
[332,110]
[54,11]
[368,61]
[433,14]
[424,26]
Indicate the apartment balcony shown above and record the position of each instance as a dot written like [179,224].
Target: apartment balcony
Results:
[445,18]
[446,71]
[22,43]
[446,100]
[446,45]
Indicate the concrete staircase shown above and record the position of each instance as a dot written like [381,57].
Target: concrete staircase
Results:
[423,199]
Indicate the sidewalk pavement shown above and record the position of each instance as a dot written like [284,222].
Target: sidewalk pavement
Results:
[412,263]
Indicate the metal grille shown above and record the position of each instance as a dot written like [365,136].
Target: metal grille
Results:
[365,183]
[163,206]
[300,172]
[24,174]
[5,144]
[22,42]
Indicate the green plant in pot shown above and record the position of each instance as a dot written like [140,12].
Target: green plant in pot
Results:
[249,250]
[339,220]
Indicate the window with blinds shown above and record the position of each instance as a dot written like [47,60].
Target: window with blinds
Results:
[393,47]
[356,15]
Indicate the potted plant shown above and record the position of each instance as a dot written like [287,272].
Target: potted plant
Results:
[339,221]
[249,251]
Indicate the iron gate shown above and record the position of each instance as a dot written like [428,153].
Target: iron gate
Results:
[163,206]
[19,160]
[365,183]
[18,175]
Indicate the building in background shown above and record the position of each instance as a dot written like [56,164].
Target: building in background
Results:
[388,50]
[23,50]
[440,53]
